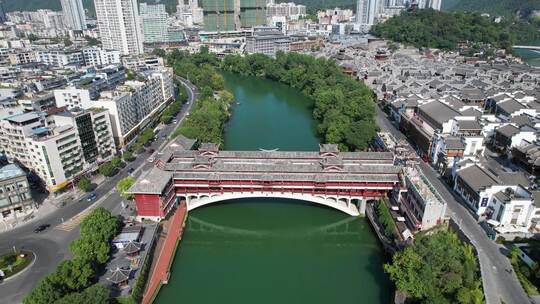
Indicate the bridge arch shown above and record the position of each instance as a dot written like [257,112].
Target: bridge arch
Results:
[341,204]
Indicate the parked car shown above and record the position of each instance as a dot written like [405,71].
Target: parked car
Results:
[130,170]
[41,228]
[175,121]
[91,197]
[151,159]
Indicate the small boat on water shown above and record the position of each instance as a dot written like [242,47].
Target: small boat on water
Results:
[264,150]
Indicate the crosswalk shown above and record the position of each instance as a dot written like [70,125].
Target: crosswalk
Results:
[74,221]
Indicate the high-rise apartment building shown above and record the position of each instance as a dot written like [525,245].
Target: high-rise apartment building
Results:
[73,11]
[229,15]
[366,11]
[154,22]
[119,26]
[289,10]
[3,17]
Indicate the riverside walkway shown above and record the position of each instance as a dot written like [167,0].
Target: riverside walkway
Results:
[160,273]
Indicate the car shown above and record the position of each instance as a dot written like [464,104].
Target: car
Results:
[91,197]
[41,228]
[150,151]
[175,121]
[151,159]
[130,170]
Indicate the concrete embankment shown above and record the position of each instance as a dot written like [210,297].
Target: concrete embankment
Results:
[160,274]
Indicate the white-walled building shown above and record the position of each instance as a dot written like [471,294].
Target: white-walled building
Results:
[58,148]
[423,206]
[119,26]
[74,16]
[135,104]
[60,58]
[97,56]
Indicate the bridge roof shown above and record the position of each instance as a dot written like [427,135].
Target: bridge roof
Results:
[385,156]
[153,182]
[284,166]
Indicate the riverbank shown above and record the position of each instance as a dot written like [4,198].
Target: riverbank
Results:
[160,271]
[273,250]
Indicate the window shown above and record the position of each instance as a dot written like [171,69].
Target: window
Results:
[14,199]
[4,202]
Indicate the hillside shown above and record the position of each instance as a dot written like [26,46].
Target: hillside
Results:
[32,5]
[444,30]
[507,8]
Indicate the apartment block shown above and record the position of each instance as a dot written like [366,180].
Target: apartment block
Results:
[135,104]
[15,198]
[268,42]
[60,58]
[97,57]
[119,26]
[58,146]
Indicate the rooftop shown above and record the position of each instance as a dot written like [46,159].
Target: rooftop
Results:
[11,171]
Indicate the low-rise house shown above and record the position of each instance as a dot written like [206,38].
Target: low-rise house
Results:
[486,191]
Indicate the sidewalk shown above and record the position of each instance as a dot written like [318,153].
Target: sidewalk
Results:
[49,205]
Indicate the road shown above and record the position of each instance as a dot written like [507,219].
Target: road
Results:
[497,282]
[52,245]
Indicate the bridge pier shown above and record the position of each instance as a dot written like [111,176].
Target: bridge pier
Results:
[362,206]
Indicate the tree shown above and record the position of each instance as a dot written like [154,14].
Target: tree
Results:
[84,184]
[92,41]
[106,169]
[97,230]
[48,290]
[116,161]
[67,42]
[128,156]
[123,185]
[95,294]
[166,119]
[32,37]
[159,52]
[439,268]
[75,274]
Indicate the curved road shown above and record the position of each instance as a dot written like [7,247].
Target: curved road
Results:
[52,245]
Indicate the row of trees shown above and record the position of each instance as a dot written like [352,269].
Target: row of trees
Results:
[438,268]
[443,30]
[74,281]
[343,107]
[211,112]
[386,220]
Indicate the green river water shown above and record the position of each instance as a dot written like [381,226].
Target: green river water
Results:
[259,251]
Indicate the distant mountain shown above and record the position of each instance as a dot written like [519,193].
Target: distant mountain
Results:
[32,5]
[521,8]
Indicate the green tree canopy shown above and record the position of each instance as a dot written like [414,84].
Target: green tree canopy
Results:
[438,268]
[84,184]
[123,185]
[95,294]
[443,30]
[107,169]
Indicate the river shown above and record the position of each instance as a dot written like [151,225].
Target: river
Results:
[269,250]
[531,57]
